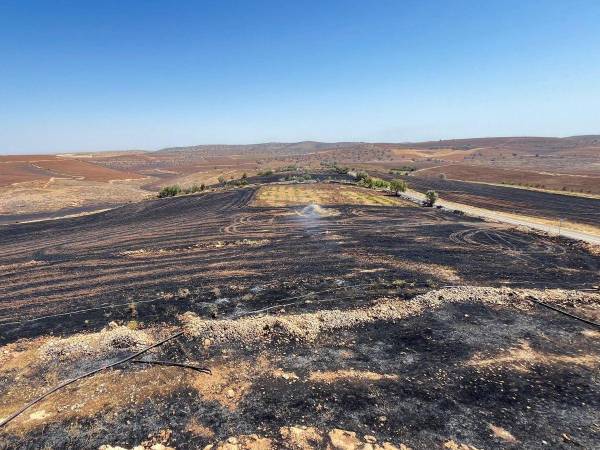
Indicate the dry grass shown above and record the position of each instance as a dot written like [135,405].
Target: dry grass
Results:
[58,193]
[321,194]
[523,358]
[351,375]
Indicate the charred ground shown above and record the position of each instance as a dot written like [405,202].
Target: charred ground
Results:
[513,200]
[464,369]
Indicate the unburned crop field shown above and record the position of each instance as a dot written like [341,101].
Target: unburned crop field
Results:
[321,194]
[318,329]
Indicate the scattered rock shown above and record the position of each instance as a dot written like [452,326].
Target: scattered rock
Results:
[183,293]
[305,438]
[105,342]
[306,327]
[39,415]
[451,445]
[301,438]
[503,434]
[244,442]
[343,440]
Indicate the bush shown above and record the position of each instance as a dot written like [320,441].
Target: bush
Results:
[265,173]
[432,197]
[373,183]
[360,176]
[398,186]
[297,178]
[169,191]
[290,168]
[193,189]
[221,179]
[403,169]
[340,170]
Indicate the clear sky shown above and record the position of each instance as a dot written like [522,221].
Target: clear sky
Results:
[98,75]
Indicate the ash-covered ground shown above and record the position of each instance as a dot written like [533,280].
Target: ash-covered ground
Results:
[323,327]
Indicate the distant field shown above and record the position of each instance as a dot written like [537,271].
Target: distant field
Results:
[19,169]
[507,199]
[321,194]
[32,184]
[587,184]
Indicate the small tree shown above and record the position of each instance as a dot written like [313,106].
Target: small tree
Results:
[221,179]
[244,176]
[398,186]
[360,176]
[432,197]
[169,191]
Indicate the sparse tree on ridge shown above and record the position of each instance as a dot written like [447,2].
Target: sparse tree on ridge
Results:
[398,186]
[432,197]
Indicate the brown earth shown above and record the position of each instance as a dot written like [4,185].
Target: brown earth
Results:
[588,184]
[551,163]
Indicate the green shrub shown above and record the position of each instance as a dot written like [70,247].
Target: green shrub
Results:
[361,175]
[340,170]
[373,183]
[403,169]
[193,189]
[398,186]
[265,173]
[290,168]
[432,197]
[297,178]
[169,191]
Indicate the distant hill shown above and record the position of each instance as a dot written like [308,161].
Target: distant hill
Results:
[525,144]
[269,148]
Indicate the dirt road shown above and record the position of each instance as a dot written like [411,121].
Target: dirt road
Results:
[558,228]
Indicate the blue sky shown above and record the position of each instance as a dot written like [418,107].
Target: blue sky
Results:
[83,75]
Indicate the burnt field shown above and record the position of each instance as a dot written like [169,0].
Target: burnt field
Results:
[520,201]
[311,320]
[164,245]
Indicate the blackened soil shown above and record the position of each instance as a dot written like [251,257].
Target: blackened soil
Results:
[218,256]
[437,392]
[521,201]
[70,265]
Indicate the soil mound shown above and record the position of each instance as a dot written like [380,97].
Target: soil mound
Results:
[306,327]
